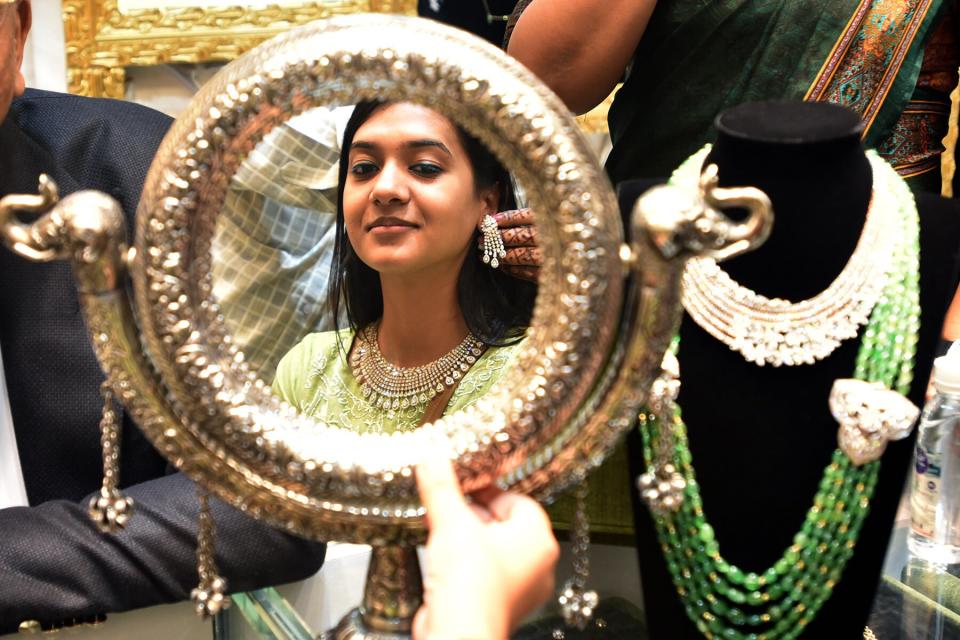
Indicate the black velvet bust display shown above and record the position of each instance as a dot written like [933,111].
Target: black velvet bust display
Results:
[761,436]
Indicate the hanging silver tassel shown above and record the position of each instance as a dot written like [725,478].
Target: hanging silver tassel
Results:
[210,597]
[662,487]
[577,604]
[110,510]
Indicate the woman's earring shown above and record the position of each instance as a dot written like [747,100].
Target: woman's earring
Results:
[493,249]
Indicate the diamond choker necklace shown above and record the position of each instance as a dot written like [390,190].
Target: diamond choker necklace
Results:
[780,332]
[390,387]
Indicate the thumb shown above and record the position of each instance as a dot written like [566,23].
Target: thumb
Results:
[421,629]
[439,489]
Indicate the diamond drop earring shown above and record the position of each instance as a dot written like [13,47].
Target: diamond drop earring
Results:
[493,249]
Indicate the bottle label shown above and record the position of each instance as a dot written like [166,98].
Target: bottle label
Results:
[926,492]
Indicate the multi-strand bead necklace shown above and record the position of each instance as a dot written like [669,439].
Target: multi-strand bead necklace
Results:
[726,601]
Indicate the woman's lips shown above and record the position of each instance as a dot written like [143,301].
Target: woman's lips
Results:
[391,228]
[390,225]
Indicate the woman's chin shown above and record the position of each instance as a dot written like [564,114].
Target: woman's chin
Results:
[393,265]
[397,267]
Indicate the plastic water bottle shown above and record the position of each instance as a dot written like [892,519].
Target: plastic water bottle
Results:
[935,494]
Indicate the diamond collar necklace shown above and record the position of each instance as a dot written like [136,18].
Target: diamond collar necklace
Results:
[390,387]
[780,332]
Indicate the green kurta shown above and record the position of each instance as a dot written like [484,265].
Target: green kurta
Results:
[316,379]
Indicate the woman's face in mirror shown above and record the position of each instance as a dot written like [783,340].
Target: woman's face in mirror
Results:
[410,204]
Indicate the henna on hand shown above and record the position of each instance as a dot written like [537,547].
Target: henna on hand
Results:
[524,257]
[525,236]
[523,262]
[514,218]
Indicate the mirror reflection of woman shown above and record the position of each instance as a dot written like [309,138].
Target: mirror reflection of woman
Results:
[430,326]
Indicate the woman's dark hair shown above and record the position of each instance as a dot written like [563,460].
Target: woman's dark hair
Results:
[495,306]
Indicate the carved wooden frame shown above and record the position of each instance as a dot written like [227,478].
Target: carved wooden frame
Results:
[101,41]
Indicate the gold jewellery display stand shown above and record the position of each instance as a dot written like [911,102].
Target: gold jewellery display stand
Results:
[603,319]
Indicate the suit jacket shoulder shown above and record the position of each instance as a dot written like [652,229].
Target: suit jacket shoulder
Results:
[101,143]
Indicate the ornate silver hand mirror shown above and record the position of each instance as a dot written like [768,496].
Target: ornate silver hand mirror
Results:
[604,315]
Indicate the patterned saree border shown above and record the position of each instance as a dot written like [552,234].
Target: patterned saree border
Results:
[869,52]
[840,48]
[914,146]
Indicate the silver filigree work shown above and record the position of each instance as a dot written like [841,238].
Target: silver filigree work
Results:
[327,482]
[110,509]
[577,603]
[210,595]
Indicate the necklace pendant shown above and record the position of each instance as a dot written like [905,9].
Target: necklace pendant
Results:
[870,415]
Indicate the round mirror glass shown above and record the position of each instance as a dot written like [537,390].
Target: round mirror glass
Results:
[402,302]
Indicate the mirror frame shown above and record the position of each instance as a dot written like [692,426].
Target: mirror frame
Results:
[239,440]
[101,41]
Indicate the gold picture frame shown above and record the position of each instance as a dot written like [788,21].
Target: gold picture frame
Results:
[102,41]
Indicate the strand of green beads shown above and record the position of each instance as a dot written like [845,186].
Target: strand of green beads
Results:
[799,581]
[793,582]
[909,327]
[753,599]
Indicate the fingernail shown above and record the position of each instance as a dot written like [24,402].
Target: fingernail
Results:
[499,216]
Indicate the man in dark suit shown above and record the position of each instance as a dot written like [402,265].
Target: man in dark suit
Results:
[55,566]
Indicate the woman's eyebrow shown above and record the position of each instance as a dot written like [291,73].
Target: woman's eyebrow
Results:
[426,142]
[412,144]
[360,144]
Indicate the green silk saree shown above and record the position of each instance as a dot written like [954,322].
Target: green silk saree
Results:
[698,58]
